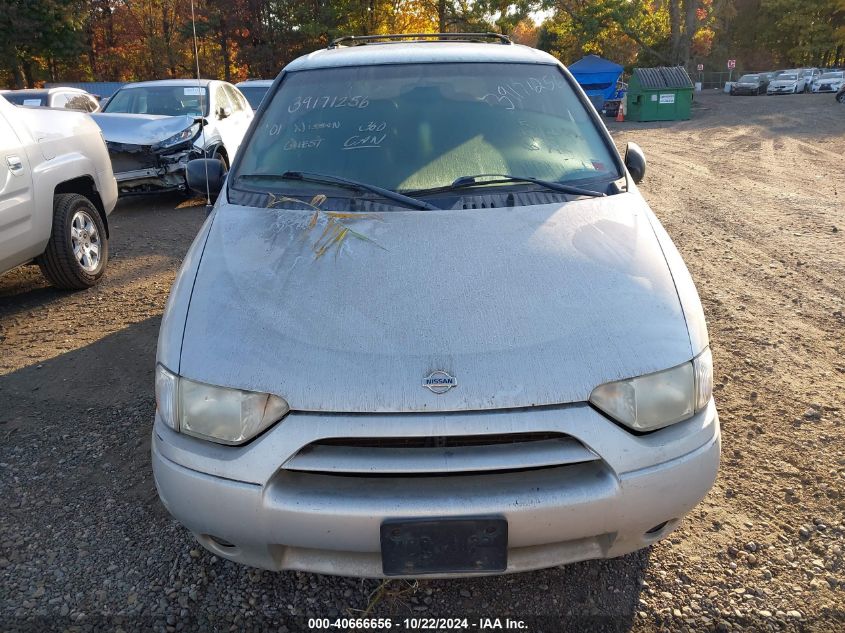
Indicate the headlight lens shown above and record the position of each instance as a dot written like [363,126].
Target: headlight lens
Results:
[219,414]
[650,402]
[166,398]
[703,369]
[181,137]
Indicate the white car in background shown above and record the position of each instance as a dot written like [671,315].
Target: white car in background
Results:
[68,98]
[254,90]
[830,81]
[56,191]
[789,82]
[153,128]
[810,76]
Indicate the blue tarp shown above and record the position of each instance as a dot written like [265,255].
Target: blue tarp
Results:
[596,76]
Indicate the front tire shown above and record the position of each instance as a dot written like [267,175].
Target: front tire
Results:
[78,250]
[841,97]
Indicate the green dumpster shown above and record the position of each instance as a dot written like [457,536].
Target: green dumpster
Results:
[659,94]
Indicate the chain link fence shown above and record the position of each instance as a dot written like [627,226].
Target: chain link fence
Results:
[717,79]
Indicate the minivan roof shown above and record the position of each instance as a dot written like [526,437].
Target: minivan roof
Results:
[419,53]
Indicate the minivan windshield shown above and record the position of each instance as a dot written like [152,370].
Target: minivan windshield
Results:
[748,79]
[168,100]
[410,127]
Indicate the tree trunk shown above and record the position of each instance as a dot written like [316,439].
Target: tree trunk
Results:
[90,44]
[26,65]
[675,30]
[690,29]
[441,16]
[17,73]
[167,36]
[225,49]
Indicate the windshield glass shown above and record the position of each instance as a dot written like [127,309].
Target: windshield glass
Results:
[786,77]
[163,100]
[254,94]
[407,127]
[26,98]
[833,76]
[748,79]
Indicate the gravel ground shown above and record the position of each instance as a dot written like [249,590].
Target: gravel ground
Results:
[752,192]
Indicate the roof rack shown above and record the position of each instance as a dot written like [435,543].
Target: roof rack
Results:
[357,40]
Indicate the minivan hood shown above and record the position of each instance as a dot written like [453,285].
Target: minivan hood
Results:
[141,129]
[523,306]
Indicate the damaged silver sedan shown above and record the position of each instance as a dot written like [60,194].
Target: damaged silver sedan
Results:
[153,128]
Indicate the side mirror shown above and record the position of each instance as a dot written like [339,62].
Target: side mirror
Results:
[635,162]
[224,112]
[196,172]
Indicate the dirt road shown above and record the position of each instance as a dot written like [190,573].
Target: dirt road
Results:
[752,190]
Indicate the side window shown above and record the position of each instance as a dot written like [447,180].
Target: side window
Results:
[59,100]
[93,105]
[236,98]
[220,99]
[77,102]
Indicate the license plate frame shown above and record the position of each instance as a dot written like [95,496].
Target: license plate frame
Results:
[446,545]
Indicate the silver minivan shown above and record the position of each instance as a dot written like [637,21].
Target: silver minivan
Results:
[431,327]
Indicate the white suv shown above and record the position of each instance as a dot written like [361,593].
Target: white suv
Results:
[153,128]
[56,191]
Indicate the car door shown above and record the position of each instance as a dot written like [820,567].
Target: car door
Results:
[221,113]
[18,239]
[242,113]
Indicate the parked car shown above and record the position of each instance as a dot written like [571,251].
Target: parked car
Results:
[750,85]
[56,192]
[153,128]
[810,76]
[790,82]
[396,359]
[68,98]
[254,90]
[830,81]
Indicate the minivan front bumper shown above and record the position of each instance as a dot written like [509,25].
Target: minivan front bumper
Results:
[253,505]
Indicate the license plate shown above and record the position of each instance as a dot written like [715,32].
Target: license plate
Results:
[446,545]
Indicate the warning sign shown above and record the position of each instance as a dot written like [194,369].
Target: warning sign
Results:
[667,98]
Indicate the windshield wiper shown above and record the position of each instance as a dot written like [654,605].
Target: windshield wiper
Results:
[306,176]
[474,181]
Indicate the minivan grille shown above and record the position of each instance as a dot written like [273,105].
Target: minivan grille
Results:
[439,455]
[439,441]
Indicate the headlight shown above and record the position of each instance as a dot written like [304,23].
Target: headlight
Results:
[650,402]
[181,137]
[219,414]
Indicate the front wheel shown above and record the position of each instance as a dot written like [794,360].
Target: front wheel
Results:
[841,97]
[76,255]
